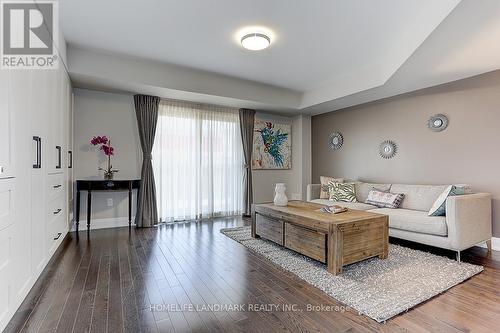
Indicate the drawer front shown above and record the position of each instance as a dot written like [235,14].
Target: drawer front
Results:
[55,233]
[56,208]
[269,228]
[308,242]
[55,186]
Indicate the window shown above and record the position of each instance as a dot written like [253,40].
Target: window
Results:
[197,161]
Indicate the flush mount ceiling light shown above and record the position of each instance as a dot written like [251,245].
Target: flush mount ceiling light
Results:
[255,41]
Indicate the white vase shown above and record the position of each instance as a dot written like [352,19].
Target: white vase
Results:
[280,198]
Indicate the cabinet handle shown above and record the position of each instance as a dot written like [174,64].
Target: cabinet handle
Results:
[38,164]
[58,235]
[57,211]
[58,166]
[70,158]
[56,186]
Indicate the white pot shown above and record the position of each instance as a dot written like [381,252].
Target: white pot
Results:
[280,198]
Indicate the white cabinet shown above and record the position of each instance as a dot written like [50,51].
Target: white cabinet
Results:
[35,119]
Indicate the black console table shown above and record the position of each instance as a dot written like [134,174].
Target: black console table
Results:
[104,185]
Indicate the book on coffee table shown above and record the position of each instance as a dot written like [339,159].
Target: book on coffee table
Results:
[335,209]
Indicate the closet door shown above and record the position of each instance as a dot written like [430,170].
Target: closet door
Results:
[54,149]
[7,197]
[40,106]
[69,168]
[6,128]
[19,96]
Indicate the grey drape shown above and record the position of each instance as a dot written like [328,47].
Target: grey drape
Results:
[146,110]
[247,118]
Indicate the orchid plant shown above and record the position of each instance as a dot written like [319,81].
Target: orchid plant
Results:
[105,145]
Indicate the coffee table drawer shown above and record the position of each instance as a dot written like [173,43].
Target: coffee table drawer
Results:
[269,228]
[306,241]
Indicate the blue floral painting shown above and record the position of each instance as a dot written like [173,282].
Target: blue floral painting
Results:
[272,145]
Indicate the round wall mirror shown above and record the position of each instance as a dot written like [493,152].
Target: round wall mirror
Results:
[437,123]
[388,149]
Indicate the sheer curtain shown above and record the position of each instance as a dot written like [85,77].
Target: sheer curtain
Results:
[197,161]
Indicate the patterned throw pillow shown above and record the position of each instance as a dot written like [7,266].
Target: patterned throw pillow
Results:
[325,183]
[342,192]
[384,199]
[439,206]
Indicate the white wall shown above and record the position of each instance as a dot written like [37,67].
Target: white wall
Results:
[297,178]
[113,115]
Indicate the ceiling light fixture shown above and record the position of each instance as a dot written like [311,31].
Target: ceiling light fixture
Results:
[255,41]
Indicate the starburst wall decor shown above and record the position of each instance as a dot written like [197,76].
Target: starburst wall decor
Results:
[388,149]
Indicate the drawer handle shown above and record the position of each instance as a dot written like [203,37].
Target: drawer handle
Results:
[57,211]
[58,236]
[56,186]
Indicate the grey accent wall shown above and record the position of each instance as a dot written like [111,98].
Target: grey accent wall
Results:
[468,151]
[297,178]
[100,113]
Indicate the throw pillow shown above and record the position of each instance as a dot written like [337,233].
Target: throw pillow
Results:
[439,206]
[384,199]
[325,183]
[342,192]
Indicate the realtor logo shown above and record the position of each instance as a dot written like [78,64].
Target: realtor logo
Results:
[29,30]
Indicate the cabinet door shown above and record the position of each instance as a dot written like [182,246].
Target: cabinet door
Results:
[54,147]
[69,131]
[7,219]
[40,116]
[6,128]
[5,276]
[20,95]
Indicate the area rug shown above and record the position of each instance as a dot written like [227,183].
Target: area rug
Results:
[379,289]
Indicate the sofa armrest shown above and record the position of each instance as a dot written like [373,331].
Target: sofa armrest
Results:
[313,191]
[469,219]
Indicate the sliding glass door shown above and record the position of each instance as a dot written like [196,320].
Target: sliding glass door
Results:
[198,161]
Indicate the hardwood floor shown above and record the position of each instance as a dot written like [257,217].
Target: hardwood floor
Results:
[121,281]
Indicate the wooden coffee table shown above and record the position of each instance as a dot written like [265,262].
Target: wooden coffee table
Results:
[334,239]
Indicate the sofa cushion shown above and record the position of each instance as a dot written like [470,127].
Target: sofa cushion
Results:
[418,197]
[342,192]
[415,221]
[362,189]
[439,206]
[350,205]
[325,184]
[384,199]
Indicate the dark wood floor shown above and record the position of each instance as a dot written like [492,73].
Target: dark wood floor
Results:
[109,281]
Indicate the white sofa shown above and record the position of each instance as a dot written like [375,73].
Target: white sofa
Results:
[467,221]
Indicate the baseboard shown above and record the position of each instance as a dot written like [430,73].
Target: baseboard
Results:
[113,222]
[495,244]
